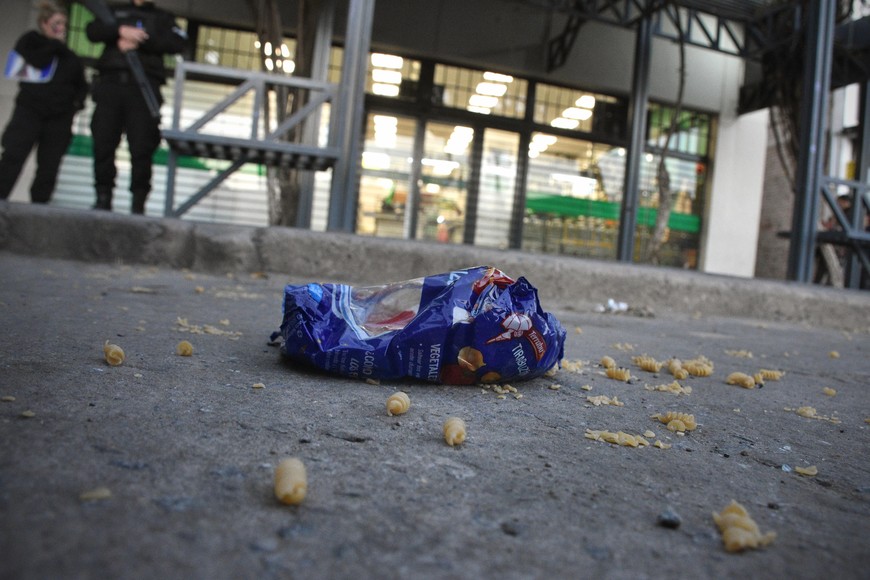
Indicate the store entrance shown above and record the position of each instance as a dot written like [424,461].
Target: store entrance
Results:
[436,180]
[445,171]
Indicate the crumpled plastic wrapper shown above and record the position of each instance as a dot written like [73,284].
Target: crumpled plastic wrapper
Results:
[464,327]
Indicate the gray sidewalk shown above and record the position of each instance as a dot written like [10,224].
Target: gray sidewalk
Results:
[186,446]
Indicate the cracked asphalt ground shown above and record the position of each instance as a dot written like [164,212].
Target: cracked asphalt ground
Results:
[181,450]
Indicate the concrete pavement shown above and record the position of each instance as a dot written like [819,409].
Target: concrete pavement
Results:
[181,450]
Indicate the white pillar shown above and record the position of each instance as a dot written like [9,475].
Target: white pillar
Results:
[734,211]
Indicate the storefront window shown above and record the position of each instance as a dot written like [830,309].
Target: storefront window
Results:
[573,194]
[687,185]
[498,174]
[576,110]
[484,92]
[444,183]
[386,169]
[390,75]
[692,134]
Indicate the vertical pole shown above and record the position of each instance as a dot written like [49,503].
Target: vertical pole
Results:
[515,236]
[472,193]
[412,204]
[172,161]
[347,127]
[311,128]
[637,123]
[814,104]
[862,175]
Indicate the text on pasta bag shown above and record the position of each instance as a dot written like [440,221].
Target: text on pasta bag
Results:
[463,327]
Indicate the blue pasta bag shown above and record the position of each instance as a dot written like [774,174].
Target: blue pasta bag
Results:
[463,327]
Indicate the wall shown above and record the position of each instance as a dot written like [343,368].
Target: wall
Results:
[18,17]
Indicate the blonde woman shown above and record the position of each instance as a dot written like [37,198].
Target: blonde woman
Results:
[48,99]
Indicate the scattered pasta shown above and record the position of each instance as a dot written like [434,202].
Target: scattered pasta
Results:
[741,380]
[291,481]
[675,367]
[114,354]
[398,403]
[677,422]
[698,368]
[811,413]
[619,374]
[184,348]
[258,386]
[673,388]
[618,438]
[834,354]
[454,431]
[739,531]
[742,353]
[647,363]
[771,375]
[830,392]
[607,362]
[604,400]
[810,471]
[572,366]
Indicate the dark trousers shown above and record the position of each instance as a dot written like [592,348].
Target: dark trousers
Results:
[120,108]
[28,128]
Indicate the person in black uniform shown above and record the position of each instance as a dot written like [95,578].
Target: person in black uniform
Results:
[120,106]
[45,105]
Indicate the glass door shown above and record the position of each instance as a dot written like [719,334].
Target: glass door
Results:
[385,178]
[498,181]
[443,186]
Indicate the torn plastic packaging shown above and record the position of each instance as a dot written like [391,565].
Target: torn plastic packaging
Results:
[463,327]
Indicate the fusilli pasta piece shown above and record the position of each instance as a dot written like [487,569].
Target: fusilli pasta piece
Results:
[607,362]
[454,431]
[739,531]
[184,348]
[291,481]
[398,403]
[619,374]
[741,380]
[647,363]
[114,354]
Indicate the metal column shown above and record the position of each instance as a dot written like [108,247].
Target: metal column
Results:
[814,104]
[634,157]
[311,129]
[346,125]
[862,175]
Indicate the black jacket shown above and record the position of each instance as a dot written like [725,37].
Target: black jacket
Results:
[164,37]
[67,89]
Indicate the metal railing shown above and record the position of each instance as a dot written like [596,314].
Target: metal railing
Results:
[262,144]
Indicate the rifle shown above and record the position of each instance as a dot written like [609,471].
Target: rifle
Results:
[101,11]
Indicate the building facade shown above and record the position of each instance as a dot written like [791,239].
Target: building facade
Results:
[468,140]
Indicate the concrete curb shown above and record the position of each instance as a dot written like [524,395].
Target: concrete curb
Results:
[563,282]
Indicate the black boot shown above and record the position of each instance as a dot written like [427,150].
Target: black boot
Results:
[104,201]
[138,206]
